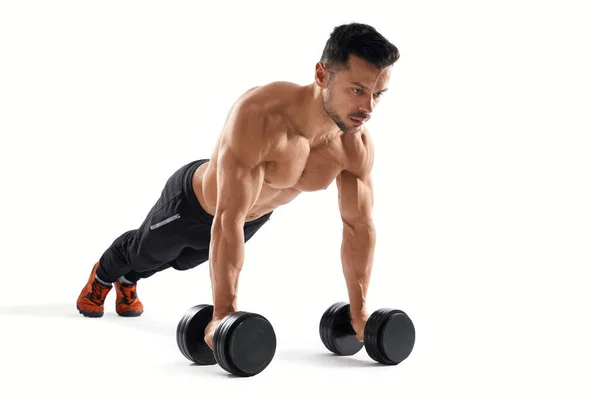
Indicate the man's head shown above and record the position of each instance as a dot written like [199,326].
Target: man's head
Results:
[354,70]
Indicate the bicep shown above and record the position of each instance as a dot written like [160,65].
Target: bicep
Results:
[238,186]
[355,184]
[240,164]
[355,198]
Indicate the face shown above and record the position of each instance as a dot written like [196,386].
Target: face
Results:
[350,95]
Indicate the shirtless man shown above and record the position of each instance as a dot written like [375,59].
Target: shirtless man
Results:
[279,140]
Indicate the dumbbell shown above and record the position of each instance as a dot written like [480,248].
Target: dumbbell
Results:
[389,335]
[244,343]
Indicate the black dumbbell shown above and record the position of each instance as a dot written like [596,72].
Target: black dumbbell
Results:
[389,335]
[244,343]
[336,331]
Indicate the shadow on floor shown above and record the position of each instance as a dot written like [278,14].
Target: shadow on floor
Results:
[324,359]
[70,311]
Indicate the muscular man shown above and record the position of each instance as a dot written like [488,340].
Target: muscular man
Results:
[279,140]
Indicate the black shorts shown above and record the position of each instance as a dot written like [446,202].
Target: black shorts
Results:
[175,234]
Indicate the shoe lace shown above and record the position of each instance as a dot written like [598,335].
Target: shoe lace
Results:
[129,294]
[98,293]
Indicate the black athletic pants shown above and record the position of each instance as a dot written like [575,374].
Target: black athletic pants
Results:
[175,233]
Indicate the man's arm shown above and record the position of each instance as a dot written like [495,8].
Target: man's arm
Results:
[240,173]
[355,196]
[358,236]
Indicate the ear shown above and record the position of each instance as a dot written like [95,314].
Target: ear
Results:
[321,75]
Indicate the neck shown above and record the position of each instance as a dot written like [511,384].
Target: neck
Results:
[314,120]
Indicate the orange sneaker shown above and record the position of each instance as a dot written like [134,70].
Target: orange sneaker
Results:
[127,303]
[91,300]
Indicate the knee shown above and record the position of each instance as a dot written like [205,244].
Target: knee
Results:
[142,264]
[182,266]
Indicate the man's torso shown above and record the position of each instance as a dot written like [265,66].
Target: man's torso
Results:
[294,164]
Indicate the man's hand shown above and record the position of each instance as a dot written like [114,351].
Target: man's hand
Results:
[209,331]
[359,320]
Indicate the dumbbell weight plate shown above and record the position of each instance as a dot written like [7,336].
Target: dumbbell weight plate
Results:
[190,335]
[180,329]
[389,336]
[244,343]
[336,332]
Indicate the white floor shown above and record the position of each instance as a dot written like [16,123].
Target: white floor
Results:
[50,350]
[479,334]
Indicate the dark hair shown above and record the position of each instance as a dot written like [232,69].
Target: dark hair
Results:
[363,41]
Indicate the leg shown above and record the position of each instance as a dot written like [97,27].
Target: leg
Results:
[196,254]
[187,259]
[191,257]
[143,251]
[167,229]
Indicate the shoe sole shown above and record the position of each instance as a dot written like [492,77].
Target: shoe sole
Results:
[96,314]
[99,314]
[130,314]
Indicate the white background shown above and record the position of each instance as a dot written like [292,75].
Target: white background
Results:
[487,195]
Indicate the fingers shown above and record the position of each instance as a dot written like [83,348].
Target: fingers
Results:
[208,341]
[208,334]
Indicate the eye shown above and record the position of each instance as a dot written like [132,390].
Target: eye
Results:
[357,91]
[378,95]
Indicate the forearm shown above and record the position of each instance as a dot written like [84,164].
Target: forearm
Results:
[358,247]
[226,257]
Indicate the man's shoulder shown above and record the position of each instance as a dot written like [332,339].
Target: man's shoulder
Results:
[258,120]
[271,95]
[269,105]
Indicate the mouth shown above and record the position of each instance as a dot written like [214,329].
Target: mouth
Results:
[358,121]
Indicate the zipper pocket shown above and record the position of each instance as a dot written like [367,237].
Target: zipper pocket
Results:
[164,222]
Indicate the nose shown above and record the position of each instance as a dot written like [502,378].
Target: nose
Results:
[367,106]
